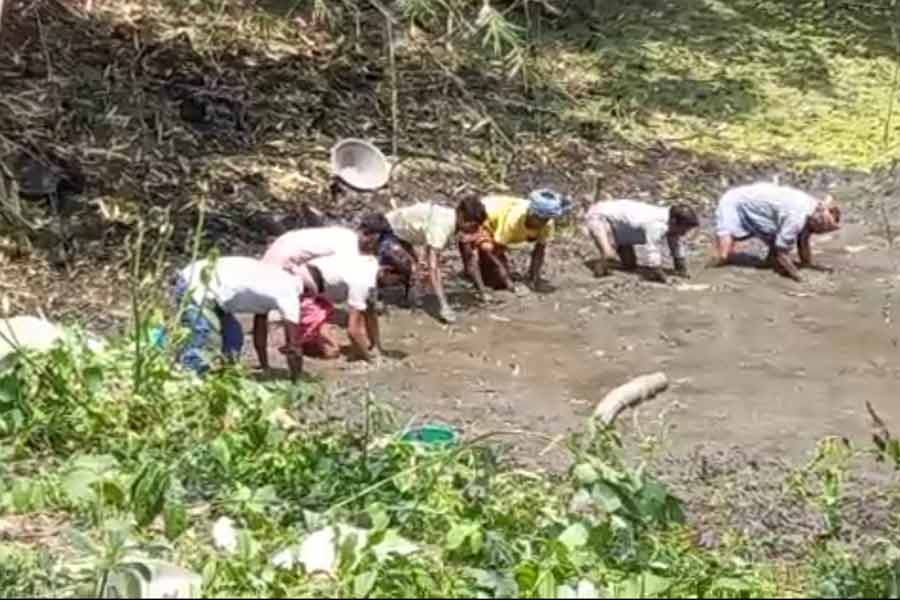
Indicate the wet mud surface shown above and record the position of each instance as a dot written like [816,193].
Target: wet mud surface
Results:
[760,369]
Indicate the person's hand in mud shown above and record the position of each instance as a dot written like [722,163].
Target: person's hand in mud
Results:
[783,265]
[804,251]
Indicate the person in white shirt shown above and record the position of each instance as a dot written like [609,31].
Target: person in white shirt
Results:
[779,215]
[431,225]
[350,278]
[234,285]
[299,246]
[622,224]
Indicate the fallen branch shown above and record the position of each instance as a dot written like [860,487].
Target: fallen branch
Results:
[635,391]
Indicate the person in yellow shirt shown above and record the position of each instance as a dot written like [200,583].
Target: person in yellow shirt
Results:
[511,221]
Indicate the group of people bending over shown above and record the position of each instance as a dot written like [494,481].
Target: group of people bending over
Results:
[304,273]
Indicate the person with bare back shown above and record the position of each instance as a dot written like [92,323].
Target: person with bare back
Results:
[779,215]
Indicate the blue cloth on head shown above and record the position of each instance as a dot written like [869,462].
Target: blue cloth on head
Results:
[547,204]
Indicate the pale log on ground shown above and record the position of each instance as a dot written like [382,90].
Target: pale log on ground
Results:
[635,391]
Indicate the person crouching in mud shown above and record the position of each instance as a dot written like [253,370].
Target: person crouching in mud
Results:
[430,225]
[616,226]
[779,215]
[396,258]
[510,221]
[334,279]
[233,285]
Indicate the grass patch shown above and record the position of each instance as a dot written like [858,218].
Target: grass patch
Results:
[750,81]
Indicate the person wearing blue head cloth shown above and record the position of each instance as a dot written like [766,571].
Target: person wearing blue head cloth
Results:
[512,221]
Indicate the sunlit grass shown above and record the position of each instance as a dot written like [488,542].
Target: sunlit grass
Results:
[751,92]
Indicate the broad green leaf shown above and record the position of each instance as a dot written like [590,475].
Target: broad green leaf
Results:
[247,546]
[93,378]
[657,503]
[363,584]
[9,389]
[654,585]
[78,485]
[176,520]
[220,451]
[457,536]
[585,473]
[476,540]
[112,493]
[547,585]
[606,495]
[148,493]
[575,536]
[393,544]
[619,522]
[526,576]
[379,517]
[23,496]
[266,495]
[210,569]
[347,551]
[644,585]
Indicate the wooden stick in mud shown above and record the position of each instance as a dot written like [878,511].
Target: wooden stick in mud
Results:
[635,391]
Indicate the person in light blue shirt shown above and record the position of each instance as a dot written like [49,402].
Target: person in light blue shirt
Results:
[779,215]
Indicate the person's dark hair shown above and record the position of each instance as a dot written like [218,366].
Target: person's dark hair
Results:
[835,212]
[397,257]
[374,224]
[684,215]
[316,274]
[471,208]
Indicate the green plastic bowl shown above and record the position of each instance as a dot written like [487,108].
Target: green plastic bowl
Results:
[432,436]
